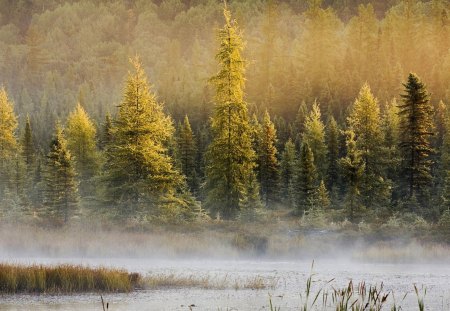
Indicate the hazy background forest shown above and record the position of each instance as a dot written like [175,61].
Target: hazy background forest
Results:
[306,63]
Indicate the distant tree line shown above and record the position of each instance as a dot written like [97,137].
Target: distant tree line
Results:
[369,161]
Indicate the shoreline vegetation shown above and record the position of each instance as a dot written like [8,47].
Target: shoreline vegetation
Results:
[72,279]
[64,279]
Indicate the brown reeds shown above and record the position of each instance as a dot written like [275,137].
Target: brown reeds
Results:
[64,279]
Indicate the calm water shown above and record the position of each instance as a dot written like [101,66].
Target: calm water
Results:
[290,276]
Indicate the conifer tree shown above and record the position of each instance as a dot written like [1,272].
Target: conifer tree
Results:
[187,150]
[8,142]
[364,120]
[322,196]
[231,158]
[332,140]
[28,151]
[81,141]
[61,191]
[287,173]
[314,136]
[416,129]
[106,134]
[352,168]
[305,184]
[445,165]
[28,159]
[140,178]
[391,132]
[268,162]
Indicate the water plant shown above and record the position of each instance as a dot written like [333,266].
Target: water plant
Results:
[64,279]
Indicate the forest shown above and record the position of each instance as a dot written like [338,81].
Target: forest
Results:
[183,111]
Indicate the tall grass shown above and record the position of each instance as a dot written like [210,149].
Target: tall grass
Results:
[351,298]
[206,281]
[64,279]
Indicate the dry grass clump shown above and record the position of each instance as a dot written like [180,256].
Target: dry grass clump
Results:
[207,282]
[64,279]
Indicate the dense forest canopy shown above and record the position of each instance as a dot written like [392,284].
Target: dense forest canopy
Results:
[56,53]
[319,109]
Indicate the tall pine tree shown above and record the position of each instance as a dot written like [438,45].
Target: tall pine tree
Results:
[416,123]
[231,158]
[81,141]
[287,173]
[140,178]
[314,136]
[365,122]
[8,142]
[332,141]
[305,184]
[61,191]
[352,168]
[268,162]
[187,150]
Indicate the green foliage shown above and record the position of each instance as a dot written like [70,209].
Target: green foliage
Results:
[8,142]
[187,151]
[332,141]
[268,162]
[365,122]
[305,183]
[287,173]
[139,175]
[61,186]
[230,158]
[106,134]
[352,168]
[314,136]
[81,142]
[416,129]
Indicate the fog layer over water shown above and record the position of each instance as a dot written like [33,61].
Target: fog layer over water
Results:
[218,257]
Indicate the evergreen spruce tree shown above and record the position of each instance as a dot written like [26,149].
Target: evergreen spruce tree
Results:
[28,149]
[305,184]
[352,168]
[140,179]
[268,162]
[106,133]
[416,125]
[187,150]
[9,147]
[332,141]
[61,191]
[287,173]
[81,141]
[314,136]
[445,165]
[365,122]
[27,161]
[322,196]
[391,132]
[231,158]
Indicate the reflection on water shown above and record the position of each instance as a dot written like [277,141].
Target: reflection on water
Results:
[291,276]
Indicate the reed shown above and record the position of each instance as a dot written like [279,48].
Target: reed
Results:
[172,280]
[64,279]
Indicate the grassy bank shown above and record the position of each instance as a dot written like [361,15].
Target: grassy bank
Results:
[64,279]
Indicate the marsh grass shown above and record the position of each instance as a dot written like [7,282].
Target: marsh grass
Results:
[352,297]
[172,280]
[64,279]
